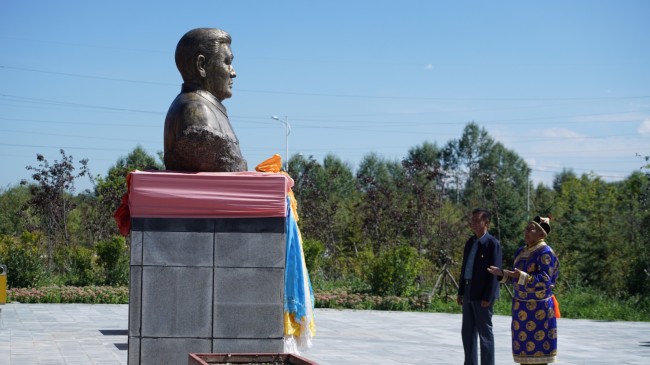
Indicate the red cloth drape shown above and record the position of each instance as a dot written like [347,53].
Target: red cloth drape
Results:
[169,194]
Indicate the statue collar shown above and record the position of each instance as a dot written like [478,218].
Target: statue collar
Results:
[192,88]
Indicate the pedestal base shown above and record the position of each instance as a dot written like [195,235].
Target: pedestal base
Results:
[205,285]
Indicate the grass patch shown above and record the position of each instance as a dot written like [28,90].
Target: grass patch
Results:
[576,303]
[589,304]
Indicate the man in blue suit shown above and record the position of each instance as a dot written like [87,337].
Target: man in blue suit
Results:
[478,289]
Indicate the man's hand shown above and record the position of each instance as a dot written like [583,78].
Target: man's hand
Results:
[485,303]
[459,300]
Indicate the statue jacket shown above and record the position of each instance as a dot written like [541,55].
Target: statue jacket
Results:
[198,135]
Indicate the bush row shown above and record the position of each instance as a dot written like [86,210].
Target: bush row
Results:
[345,300]
[70,294]
[28,265]
[120,295]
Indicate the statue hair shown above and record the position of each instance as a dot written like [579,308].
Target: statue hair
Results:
[199,41]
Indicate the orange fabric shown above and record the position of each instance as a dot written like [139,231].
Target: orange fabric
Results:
[556,305]
[271,164]
[274,164]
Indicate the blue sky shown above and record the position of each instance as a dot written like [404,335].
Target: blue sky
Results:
[565,84]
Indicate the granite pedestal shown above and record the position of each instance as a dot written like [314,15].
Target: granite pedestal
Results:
[205,285]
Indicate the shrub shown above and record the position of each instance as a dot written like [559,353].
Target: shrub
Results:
[76,264]
[113,258]
[24,260]
[70,294]
[395,271]
[341,298]
[313,250]
[638,279]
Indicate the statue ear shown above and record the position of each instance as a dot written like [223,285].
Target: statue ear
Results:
[200,65]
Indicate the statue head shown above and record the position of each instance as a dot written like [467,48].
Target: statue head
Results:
[204,59]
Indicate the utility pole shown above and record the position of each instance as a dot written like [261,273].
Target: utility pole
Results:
[287,131]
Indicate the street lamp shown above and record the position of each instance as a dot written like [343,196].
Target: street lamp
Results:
[287,130]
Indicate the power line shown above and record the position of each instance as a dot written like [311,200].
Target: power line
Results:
[31,132]
[82,123]
[26,99]
[69,74]
[99,46]
[69,147]
[438,98]
[597,98]
[329,121]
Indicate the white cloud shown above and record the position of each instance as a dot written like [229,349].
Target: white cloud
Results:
[428,67]
[644,128]
[561,133]
[608,118]
[531,162]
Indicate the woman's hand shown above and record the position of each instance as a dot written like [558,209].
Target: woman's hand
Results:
[504,273]
[495,271]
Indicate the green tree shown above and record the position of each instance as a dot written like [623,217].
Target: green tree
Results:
[307,173]
[338,183]
[542,201]
[582,229]
[633,256]
[12,220]
[24,259]
[462,158]
[490,176]
[326,196]
[52,197]
[100,206]
[420,187]
[381,206]
[504,176]
[452,232]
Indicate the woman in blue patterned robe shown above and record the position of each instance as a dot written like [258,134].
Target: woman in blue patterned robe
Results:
[534,319]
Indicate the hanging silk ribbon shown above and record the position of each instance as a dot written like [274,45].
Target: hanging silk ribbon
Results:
[299,324]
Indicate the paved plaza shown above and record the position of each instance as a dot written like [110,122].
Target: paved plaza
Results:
[83,334]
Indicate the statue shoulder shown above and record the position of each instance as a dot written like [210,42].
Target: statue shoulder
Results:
[190,110]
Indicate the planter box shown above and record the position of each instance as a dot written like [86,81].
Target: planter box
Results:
[248,359]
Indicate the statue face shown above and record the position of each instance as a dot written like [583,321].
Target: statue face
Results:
[219,73]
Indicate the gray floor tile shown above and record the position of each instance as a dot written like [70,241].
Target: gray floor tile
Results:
[52,334]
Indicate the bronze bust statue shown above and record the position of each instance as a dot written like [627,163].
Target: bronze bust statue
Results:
[198,133]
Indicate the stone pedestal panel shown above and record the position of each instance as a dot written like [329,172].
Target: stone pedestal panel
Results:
[247,303]
[205,285]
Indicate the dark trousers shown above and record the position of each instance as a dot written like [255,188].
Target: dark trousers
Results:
[477,321]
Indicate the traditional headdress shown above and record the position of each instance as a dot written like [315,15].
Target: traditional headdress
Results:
[543,223]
